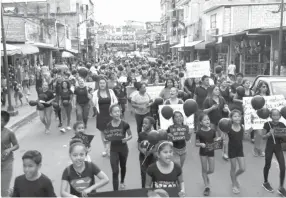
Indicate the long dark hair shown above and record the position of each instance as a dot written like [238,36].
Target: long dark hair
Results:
[106,88]
[166,82]
[257,91]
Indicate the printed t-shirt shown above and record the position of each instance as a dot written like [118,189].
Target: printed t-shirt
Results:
[80,182]
[81,95]
[161,180]
[46,96]
[278,125]
[206,137]
[141,101]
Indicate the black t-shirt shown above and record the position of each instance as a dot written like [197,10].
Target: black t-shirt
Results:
[234,86]
[46,96]
[278,125]
[218,113]
[180,135]
[206,137]
[116,143]
[85,180]
[81,95]
[201,94]
[141,137]
[66,95]
[42,187]
[161,180]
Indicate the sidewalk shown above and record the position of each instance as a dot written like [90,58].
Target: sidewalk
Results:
[25,113]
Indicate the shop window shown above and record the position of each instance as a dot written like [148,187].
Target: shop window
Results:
[253,67]
[213,21]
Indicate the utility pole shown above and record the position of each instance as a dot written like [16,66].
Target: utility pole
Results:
[10,108]
[280,38]
[86,33]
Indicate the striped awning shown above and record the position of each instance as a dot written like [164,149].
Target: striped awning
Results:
[27,48]
[10,49]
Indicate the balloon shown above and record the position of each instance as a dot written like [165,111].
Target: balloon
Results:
[283,112]
[181,74]
[120,68]
[257,102]
[55,105]
[66,103]
[167,112]
[153,137]
[263,113]
[33,103]
[162,134]
[224,125]
[240,91]
[181,94]
[190,107]
[40,106]
[158,101]
[95,77]
[144,144]
[83,72]
[218,69]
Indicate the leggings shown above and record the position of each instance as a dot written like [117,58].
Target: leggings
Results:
[139,121]
[68,110]
[6,176]
[82,111]
[58,112]
[118,157]
[277,150]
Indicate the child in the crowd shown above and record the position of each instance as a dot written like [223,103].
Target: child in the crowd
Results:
[235,149]
[9,144]
[204,136]
[116,132]
[86,139]
[78,178]
[18,94]
[179,134]
[33,183]
[164,173]
[146,157]
[274,148]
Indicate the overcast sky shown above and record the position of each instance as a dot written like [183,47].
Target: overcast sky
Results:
[115,12]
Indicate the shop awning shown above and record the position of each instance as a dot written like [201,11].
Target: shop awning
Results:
[70,50]
[176,46]
[203,45]
[45,46]
[67,54]
[187,44]
[163,43]
[11,50]
[27,48]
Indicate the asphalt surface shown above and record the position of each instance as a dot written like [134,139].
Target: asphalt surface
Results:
[54,148]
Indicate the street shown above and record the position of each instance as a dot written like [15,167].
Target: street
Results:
[54,149]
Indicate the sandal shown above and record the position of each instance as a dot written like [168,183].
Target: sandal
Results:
[235,190]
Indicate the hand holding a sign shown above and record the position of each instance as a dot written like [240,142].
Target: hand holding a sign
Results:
[203,145]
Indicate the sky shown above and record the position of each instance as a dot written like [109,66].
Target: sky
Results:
[115,12]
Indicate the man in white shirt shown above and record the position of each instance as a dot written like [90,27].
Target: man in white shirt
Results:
[231,70]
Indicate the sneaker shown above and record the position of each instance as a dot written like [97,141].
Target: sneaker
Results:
[262,154]
[235,190]
[63,130]
[122,186]
[255,152]
[69,128]
[207,191]
[252,141]
[267,187]
[282,192]
[103,154]
[60,125]
[225,157]
[47,131]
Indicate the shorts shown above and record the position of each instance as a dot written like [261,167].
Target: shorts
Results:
[207,153]
[234,152]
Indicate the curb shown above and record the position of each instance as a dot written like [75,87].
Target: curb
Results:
[23,121]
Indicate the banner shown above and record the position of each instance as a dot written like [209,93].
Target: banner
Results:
[153,91]
[114,134]
[164,124]
[251,118]
[198,69]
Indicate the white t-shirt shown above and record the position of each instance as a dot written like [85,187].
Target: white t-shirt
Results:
[231,69]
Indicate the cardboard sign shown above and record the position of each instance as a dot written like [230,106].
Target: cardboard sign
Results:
[198,69]
[280,132]
[114,134]
[122,79]
[189,121]
[85,138]
[215,146]
[178,133]
[251,118]
[90,85]
[153,91]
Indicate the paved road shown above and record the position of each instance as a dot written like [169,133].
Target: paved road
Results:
[55,158]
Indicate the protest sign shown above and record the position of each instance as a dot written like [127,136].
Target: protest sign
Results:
[85,138]
[251,118]
[90,85]
[179,133]
[215,146]
[153,91]
[189,121]
[122,79]
[198,69]
[114,134]
[280,132]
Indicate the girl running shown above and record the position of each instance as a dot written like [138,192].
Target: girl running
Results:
[165,173]
[78,178]
[179,134]
[116,133]
[204,136]
[274,148]
[235,149]
[66,96]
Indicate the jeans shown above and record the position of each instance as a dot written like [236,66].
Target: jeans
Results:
[277,150]
[82,111]
[6,176]
[67,110]
[118,157]
[139,121]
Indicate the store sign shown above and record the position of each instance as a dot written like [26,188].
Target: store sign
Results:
[14,28]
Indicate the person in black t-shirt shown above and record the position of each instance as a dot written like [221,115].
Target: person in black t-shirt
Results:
[66,97]
[237,83]
[78,178]
[115,132]
[33,183]
[165,173]
[204,136]
[274,147]
[201,92]
[146,156]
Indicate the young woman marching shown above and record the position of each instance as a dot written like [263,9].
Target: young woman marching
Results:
[146,157]
[165,173]
[78,178]
[235,149]
[204,136]
[66,97]
[116,133]
[274,148]
[179,134]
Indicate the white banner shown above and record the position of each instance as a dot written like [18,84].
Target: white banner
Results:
[251,118]
[153,91]
[164,124]
[198,69]
[90,85]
